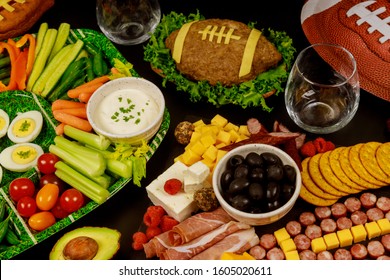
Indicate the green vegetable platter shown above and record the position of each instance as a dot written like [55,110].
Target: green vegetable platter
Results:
[17,101]
[252,93]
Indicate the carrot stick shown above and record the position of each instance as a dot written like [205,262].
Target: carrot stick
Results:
[85,96]
[78,112]
[102,79]
[66,104]
[114,70]
[75,92]
[72,121]
[60,129]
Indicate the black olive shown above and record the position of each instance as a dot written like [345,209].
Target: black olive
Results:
[253,159]
[273,191]
[274,205]
[275,172]
[241,202]
[256,191]
[226,179]
[257,174]
[241,171]
[271,158]
[234,161]
[286,192]
[289,173]
[238,185]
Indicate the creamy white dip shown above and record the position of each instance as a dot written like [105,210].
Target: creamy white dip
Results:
[126,111]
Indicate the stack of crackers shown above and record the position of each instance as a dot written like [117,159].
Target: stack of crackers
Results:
[328,176]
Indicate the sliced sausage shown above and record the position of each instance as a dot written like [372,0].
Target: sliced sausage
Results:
[374,214]
[383,203]
[386,241]
[302,242]
[375,249]
[342,254]
[313,231]
[275,254]
[328,225]
[324,255]
[353,204]
[343,223]
[387,216]
[257,252]
[307,255]
[359,251]
[338,210]
[268,241]
[322,212]
[307,218]
[368,200]
[359,218]
[293,228]
[383,257]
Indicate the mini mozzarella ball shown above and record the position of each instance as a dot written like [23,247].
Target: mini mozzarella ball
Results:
[20,157]
[25,127]
[4,123]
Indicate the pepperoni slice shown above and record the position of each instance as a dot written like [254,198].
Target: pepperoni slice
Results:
[374,214]
[313,231]
[307,255]
[328,225]
[375,249]
[268,241]
[302,242]
[257,252]
[353,204]
[383,203]
[322,212]
[359,218]
[338,210]
[359,251]
[386,241]
[307,218]
[368,200]
[324,255]
[293,228]
[275,254]
[343,223]
[342,254]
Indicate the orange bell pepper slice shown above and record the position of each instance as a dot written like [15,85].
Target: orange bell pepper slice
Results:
[12,85]
[31,50]
[20,71]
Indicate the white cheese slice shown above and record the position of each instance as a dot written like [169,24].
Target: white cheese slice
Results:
[176,171]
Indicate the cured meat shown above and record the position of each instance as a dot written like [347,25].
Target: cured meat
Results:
[307,255]
[328,225]
[388,215]
[385,239]
[342,254]
[258,252]
[375,249]
[313,231]
[338,210]
[238,242]
[383,257]
[293,228]
[383,203]
[322,212]
[157,245]
[267,241]
[302,242]
[343,223]
[275,254]
[255,127]
[190,249]
[359,251]
[307,218]
[324,255]
[353,204]
[368,200]
[197,225]
[374,214]
[359,218]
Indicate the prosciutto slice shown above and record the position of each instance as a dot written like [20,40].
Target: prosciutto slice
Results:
[201,243]
[197,225]
[157,245]
[237,242]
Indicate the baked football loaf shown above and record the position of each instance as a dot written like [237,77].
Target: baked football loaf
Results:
[221,50]
[18,16]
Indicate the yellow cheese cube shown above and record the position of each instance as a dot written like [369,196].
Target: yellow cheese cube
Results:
[359,233]
[345,237]
[224,137]
[241,137]
[210,153]
[195,136]
[373,230]
[199,123]
[331,240]
[230,126]
[292,255]
[220,155]
[281,235]
[235,256]
[384,225]
[189,157]
[208,139]
[243,129]
[178,158]
[198,148]
[234,135]
[318,245]
[220,145]
[209,163]
[219,120]
[288,245]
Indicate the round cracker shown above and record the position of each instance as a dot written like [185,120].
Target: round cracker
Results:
[311,186]
[309,197]
[368,158]
[357,165]
[383,157]
[334,162]
[315,174]
[350,172]
[330,177]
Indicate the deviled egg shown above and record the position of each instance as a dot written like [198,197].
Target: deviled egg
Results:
[4,123]
[25,127]
[20,157]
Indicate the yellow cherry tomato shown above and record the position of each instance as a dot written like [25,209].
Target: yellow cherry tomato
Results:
[41,220]
[47,196]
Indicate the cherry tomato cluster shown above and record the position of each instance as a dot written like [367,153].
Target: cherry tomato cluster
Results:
[51,199]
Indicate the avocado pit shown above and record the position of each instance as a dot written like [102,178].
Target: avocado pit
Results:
[81,248]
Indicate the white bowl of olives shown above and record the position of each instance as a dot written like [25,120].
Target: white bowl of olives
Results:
[257,183]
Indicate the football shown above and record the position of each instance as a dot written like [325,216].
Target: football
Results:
[362,27]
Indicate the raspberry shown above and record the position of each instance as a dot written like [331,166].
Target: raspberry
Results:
[308,149]
[152,232]
[320,144]
[330,146]
[153,214]
[167,223]
[137,246]
[140,237]
[172,186]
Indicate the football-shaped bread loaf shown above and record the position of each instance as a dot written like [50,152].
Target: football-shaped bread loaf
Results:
[18,16]
[221,50]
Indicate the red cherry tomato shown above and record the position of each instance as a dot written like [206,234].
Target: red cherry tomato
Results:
[52,179]
[41,220]
[47,196]
[26,206]
[58,212]
[46,163]
[21,187]
[71,200]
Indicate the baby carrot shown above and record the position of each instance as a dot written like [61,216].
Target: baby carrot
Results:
[66,104]
[60,129]
[90,88]
[80,112]
[85,96]
[74,121]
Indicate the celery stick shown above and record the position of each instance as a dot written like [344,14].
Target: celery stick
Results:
[40,35]
[87,138]
[81,183]
[62,36]
[78,149]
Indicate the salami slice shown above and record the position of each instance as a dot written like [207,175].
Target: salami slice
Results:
[268,241]
[258,252]
[313,231]
[342,254]
[353,204]
[368,200]
[374,214]
[383,203]
[307,255]
[343,223]
[359,251]
[293,228]
[338,210]
[386,241]
[324,255]
[307,218]
[322,212]
[359,218]
[275,254]
[383,257]
[375,249]
[302,242]
[328,225]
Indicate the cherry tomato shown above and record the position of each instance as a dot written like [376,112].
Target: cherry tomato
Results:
[71,200]
[47,196]
[26,206]
[52,179]
[58,212]
[21,187]
[41,220]
[46,163]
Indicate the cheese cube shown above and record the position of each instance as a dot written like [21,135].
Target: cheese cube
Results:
[195,136]
[197,147]
[242,137]
[194,176]
[373,230]
[220,155]
[384,225]
[189,157]
[235,256]
[199,123]
[208,139]
[230,126]
[345,237]
[281,235]
[223,137]
[210,153]
[318,245]
[176,170]
[288,245]
[359,233]
[220,145]
[331,241]
[209,163]
[243,129]
[234,135]
[292,255]
[219,120]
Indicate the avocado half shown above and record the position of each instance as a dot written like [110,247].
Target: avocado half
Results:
[107,239]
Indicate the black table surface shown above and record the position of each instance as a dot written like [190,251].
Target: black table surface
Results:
[124,210]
